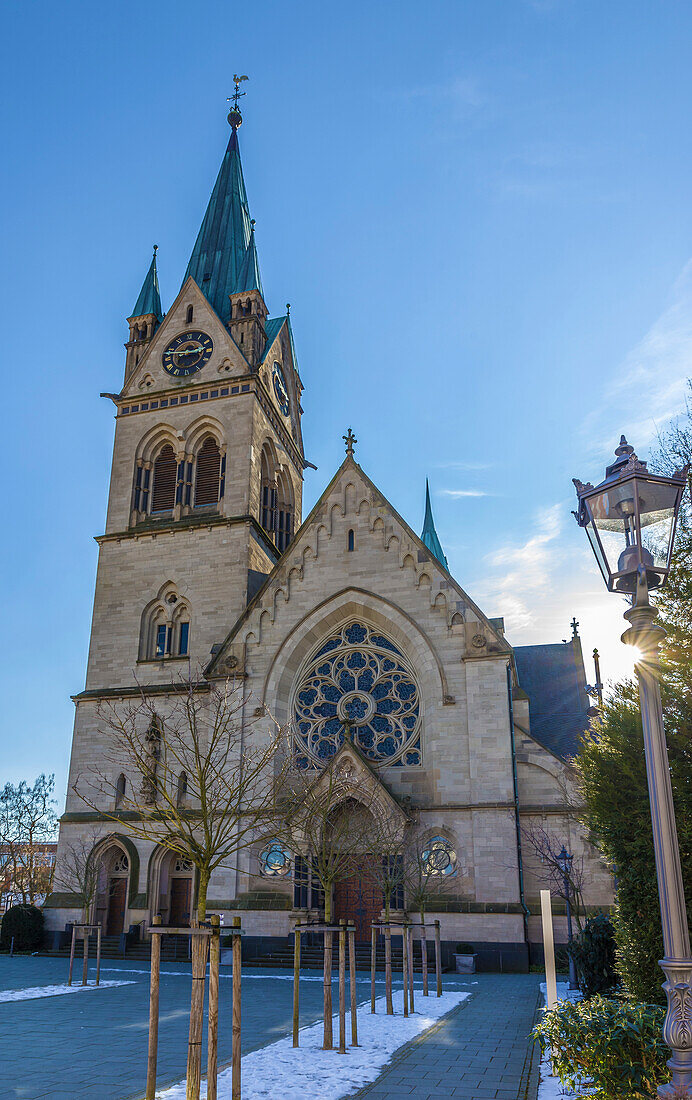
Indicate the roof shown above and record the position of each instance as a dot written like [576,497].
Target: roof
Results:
[272,328]
[429,534]
[224,256]
[553,678]
[149,300]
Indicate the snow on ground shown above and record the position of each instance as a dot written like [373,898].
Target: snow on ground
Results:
[52,990]
[278,1070]
[550,1087]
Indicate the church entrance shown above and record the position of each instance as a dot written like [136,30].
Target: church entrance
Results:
[358,900]
[181,889]
[117,898]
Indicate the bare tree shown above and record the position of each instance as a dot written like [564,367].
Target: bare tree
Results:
[432,872]
[546,846]
[193,779]
[77,871]
[27,828]
[386,867]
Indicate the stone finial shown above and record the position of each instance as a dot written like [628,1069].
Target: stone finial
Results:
[350,440]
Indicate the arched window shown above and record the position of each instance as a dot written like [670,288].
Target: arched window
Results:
[119,790]
[351,540]
[181,793]
[165,629]
[268,492]
[208,474]
[284,512]
[165,473]
[188,315]
[276,500]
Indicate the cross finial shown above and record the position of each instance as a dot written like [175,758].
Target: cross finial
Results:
[156,248]
[575,627]
[349,440]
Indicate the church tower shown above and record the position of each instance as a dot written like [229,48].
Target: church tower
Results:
[206,482]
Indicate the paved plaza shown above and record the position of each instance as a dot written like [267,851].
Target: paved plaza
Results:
[93,1044]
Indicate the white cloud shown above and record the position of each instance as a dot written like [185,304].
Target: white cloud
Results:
[456,493]
[648,389]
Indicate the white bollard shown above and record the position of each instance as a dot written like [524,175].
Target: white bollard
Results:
[548,949]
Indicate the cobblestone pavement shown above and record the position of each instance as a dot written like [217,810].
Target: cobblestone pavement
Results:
[92,1045]
[481,1051]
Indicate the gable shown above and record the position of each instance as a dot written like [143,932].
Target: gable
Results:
[226,359]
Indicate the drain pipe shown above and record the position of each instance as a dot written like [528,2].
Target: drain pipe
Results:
[517,822]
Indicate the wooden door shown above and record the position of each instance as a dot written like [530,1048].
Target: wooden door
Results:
[117,899]
[179,915]
[358,900]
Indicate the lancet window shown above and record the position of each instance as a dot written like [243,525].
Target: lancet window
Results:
[276,501]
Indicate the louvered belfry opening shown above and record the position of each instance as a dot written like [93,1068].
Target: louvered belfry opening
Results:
[208,471]
[165,470]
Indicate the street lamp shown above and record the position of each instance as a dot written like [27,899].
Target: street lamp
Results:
[630,519]
[564,862]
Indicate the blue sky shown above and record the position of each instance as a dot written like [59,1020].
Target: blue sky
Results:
[480,213]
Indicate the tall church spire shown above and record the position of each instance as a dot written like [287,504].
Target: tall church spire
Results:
[224,256]
[149,301]
[429,534]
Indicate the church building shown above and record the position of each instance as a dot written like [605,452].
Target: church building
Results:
[206,562]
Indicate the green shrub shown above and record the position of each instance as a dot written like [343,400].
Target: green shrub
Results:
[465,949]
[593,951]
[613,1049]
[25,923]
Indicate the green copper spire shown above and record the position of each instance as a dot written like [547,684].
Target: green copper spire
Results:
[429,534]
[149,300]
[224,256]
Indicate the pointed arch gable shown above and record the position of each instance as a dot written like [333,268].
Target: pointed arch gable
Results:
[130,849]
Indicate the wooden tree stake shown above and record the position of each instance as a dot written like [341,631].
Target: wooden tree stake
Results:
[237,981]
[74,934]
[352,983]
[194,1048]
[373,966]
[153,1010]
[85,933]
[438,959]
[404,968]
[296,984]
[408,940]
[328,1040]
[388,969]
[98,955]
[424,957]
[342,987]
[213,1025]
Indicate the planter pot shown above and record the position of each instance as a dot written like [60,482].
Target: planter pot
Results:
[465,964]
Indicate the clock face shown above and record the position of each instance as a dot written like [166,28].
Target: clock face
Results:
[187,353]
[280,388]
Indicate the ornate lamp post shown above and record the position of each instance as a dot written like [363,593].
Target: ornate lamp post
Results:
[564,862]
[630,519]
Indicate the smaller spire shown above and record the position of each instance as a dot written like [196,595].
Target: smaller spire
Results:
[149,300]
[235,118]
[350,441]
[429,534]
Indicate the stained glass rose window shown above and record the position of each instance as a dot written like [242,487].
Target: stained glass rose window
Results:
[275,860]
[358,684]
[439,857]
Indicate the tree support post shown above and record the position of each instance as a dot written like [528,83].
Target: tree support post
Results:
[438,959]
[153,1010]
[408,937]
[328,1038]
[352,982]
[74,934]
[85,966]
[194,1048]
[296,984]
[98,954]
[237,981]
[424,956]
[373,966]
[342,986]
[213,1025]
[404,966]
[388,969]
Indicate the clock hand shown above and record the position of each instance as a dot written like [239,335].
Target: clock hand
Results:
[189,351]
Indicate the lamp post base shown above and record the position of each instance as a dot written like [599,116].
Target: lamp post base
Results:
[677,1028]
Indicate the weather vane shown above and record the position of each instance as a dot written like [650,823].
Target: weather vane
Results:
[234,116]
[349,440]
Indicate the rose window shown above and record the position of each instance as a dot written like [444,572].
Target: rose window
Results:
[358,686]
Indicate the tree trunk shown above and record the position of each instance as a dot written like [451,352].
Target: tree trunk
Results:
[202,894]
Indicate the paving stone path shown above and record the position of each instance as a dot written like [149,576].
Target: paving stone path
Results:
[481,1051]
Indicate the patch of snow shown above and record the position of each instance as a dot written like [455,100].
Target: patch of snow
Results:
[35,991]
[279,1070]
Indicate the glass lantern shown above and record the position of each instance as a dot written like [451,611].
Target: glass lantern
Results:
[630,520]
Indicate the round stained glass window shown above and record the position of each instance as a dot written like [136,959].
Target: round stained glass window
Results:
[358,681]
[439,857]
[275,860]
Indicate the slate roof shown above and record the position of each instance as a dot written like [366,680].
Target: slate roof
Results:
[224,255]
[553,678]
